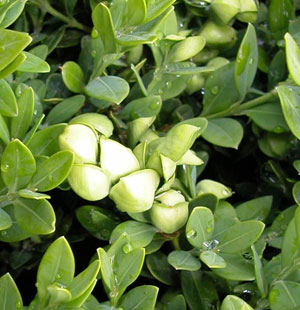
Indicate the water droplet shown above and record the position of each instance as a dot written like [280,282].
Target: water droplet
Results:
[58,276]
[127,248]
[210,245]
[191,234]
[160,91]
[202,91]
[37,284]
[93,53]
[19,304]
[215,90]
[208,229]
[3,233]
[4,167]
[251,60]
[154,105]
[178,75]
[94,33]
[279,129]
[35,112]
[181,25]
[168,84]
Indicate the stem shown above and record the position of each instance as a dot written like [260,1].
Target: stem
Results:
[71,21]
[176,245]
[241,108]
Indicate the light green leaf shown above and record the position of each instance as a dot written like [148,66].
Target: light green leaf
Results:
[8,103]
[292,57]
[73,77]
[232,302]
[57,265]
[200,226]
[183,260]
[35,216]
[225,132]
[10,297]
[17,165]
[5,220]
[246,62]
[109,88]
[33,64]
[20,124]
[137,11]
[212,259]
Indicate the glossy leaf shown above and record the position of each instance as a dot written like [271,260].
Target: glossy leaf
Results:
[53,171]
[102,20]
[57,265]
[160,269]
[73,77]
[140,298]
[292,57]
[136,38]
[156,8]
[219,96]
[12,67]
[33,64]
[182,260]
[5,220]
[26,193]
[35,216]
[10,297]
[199,226]
[232,302]
[45,141]
[12,44]
[240,236]
[289,100]
[212,259]
[17,165]
[285,294]
[109,88]
[225,132]
[140,234]
[246,61]
[255,209]
[8,103]
[107,274]
[20,124]
[4,132]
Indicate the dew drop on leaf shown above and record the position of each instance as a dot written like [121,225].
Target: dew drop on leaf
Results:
[278,129]
[191,234]
[93,53]
[215,90]
[4,167]
[58,276]
[251,60]
[19,305]
[225,192]
[127,248]
[3,233]
[94,33]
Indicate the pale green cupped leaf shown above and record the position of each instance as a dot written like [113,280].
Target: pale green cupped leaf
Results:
[12,44]
[102,20]
[225,10]
[8,103]
[232,302]
[136,38]
[140,298]
[17,165]
[240,236]
[140,234]
[135,192]
[137,128]
[183,260]
[99,122]
[200,226]
[246,62]
[142,107]
[53,171]
[186,49]
[26,193]
[57,265]
[21,123]
[190,158]
[58,295]
[248,12]
[169,219]
[292,57]
[212,259]
[136,12]
[82,141]
[290,103]
[285,295]
[218,189]
[225,132]
[89,181]
[108,88]
[157,8]
[73,77]
[140,152]
[34,216]
[116,159]
[10,297]
[33,64]
[65,110]
[170,197]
